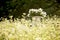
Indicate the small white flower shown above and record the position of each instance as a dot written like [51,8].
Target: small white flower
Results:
[24,13]
[38,38]
[40,9]
[34,12]
[43,14]
[11,17]
[28,15]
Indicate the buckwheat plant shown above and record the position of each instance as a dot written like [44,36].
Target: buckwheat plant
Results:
[36,12]
[22,29]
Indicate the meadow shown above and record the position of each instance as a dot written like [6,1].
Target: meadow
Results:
[22,29]
[26,29]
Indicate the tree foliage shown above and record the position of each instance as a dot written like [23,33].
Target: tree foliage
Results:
[17,7]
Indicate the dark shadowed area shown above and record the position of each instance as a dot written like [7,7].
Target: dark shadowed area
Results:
[17,7]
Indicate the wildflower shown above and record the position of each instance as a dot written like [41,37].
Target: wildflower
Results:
[40,9]
[37,12]
[38,38]
[43,14]
[10,17]
[24,13]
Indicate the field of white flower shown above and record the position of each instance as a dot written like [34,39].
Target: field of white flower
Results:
[21,29]
[35,29]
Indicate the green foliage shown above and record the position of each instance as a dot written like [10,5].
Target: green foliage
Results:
[17,7]
[50,6]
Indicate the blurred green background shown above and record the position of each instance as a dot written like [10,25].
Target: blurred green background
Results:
[17,7]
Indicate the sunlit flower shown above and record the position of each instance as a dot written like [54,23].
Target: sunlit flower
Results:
[38,38]
[35,29]
[36,12]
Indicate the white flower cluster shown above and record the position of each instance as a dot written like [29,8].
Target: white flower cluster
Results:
[36,12]
[22,29]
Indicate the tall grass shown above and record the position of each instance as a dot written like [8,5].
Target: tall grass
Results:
[22,29]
